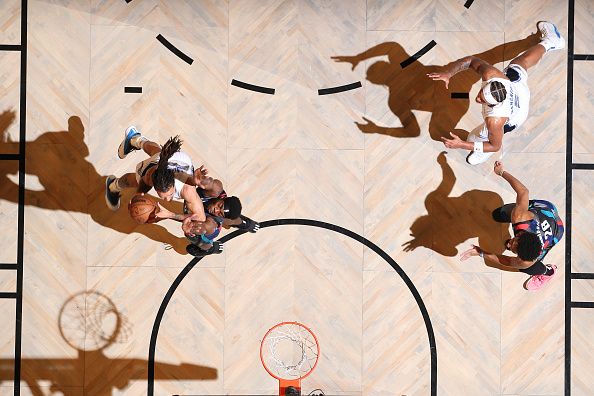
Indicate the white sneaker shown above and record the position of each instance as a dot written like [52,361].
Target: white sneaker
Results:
[551,38]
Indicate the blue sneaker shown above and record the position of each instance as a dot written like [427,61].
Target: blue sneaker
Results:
[111,199]
[125,147]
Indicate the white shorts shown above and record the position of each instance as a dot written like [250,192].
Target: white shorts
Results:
[181,159]
[516,74]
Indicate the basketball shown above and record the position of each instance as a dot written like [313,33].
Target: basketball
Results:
[142,208]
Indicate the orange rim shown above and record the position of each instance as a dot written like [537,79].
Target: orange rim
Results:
[310,332]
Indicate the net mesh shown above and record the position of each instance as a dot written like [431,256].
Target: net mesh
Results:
[290,351]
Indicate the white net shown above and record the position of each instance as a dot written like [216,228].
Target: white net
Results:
[290,351]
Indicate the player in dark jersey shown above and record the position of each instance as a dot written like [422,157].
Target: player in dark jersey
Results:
[209,188]
[537,228]
[221,211]
[202,234]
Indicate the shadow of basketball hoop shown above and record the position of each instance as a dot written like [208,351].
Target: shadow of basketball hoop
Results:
[90,323]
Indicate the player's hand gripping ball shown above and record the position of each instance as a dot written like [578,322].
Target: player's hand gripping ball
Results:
[142,209]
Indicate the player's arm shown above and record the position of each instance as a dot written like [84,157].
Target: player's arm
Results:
[164,213]
[520,212]
[215,189]
[193,201]
[482,68]
[192,227]
[500,259]
[212,187]
[494,126]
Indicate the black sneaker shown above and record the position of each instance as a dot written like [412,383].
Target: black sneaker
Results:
[195,251]
[111,199]
[248,224]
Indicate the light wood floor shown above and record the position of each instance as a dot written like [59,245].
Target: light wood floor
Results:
[90,272]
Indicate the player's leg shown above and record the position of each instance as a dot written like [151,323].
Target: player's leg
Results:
[540,275]
[115,185]
[551,40]
[133,140]
[202,248]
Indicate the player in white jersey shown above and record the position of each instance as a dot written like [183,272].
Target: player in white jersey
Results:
[504,95]
[168,170]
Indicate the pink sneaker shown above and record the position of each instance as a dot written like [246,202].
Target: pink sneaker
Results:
[535,282]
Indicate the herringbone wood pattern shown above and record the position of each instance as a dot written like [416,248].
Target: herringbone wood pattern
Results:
[10,22]
[369,160]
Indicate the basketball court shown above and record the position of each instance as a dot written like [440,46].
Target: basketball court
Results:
[362,218]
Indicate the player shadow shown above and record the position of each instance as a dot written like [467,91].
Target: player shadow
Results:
[90,323]
[70,182]
[410,89]
[453,220]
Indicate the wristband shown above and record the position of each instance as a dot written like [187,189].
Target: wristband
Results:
[502,172]
[478,147]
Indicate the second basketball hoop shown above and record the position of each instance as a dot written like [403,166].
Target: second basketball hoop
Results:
[289,352]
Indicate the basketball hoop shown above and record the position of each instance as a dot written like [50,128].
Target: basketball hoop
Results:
[289,352]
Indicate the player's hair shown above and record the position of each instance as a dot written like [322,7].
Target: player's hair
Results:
[163,178]
[498,91]
[292,391]
[529,246]
[231,207]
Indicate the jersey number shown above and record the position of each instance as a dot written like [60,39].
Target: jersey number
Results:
[546,228]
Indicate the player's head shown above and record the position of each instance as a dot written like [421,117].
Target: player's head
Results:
[228,207]
[526,245]
[292,391]
[493,91]
[163,181]
[163,177]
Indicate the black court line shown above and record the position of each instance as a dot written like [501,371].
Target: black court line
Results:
[8,266]
[174,49]
[251,87]
[304,222]
[21,203]
[582,275]
[10,157]
[460,95]
[21,207]
[7,295]
[583,57]
[341,88]
[582,304]
[468,3]
[418,54]
[582,166]
[132,89]
[568,198]
[10,47]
